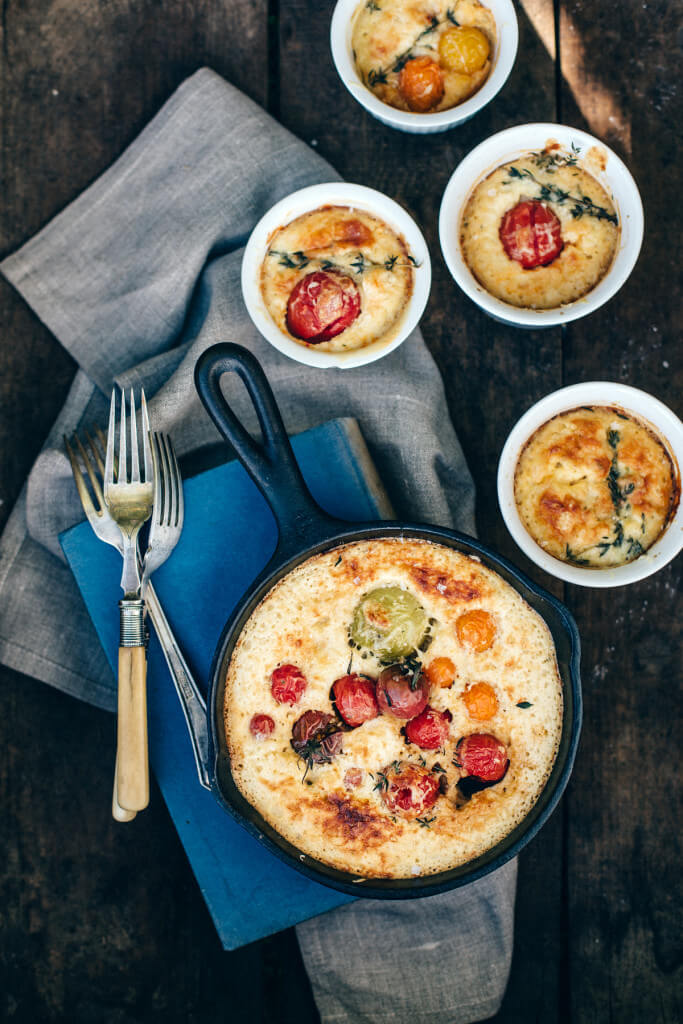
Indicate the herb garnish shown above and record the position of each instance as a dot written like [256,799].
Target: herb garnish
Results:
[425,822]
[379,76]
[581,204]
[572,556]
[525,704]
[382,783]
[359,264]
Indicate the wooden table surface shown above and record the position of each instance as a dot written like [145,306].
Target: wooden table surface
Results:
[105,923]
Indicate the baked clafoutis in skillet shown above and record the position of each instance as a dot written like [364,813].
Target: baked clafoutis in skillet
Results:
[394,709]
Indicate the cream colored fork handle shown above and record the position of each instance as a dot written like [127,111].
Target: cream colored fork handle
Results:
[118,812]
[132,760]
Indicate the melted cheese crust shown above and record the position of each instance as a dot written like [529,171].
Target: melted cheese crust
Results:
[345,238]
[303,620]
[383,33]
[589,242]
[595,487]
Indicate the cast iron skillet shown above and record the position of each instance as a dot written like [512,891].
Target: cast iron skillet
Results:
[306,530]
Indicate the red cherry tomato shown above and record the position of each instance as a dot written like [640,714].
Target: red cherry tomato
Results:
[321,306]
[315,738]
[408,789]
[402,694]
[482,755]
[355,699]
[531,234]
[430,729]
[261,726]
[287,683]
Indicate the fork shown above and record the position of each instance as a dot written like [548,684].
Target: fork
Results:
[129,499]
[104,527]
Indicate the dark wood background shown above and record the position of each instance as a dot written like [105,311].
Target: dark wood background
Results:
[105,923]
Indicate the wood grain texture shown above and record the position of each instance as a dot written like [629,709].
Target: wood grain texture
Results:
[84,939]
[623,807]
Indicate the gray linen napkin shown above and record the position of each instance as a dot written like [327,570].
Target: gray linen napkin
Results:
[136,278]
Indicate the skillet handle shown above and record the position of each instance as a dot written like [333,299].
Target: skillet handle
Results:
[271,464]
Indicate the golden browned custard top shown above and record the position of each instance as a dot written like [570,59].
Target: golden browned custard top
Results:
[393,708]
[540,231]
[595,487]
[423,56]
[337,278]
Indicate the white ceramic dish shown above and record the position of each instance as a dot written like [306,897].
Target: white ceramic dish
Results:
[337,193]
[643,406]
[515,142]
[503,60]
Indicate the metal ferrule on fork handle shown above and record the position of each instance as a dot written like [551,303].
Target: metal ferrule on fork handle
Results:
[132,631]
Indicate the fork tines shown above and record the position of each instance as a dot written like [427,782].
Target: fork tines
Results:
[118,467]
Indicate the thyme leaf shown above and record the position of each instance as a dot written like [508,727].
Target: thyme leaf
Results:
[581,204]
[574,557]
[425,822]
[524,704]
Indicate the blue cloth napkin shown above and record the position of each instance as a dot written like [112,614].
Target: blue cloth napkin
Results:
[228,537]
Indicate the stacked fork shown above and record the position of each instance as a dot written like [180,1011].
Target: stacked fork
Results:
[124,501]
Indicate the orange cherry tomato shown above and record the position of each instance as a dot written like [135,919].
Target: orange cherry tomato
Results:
[421,84]
[476,630]
[464,49]
[440,672]
[481,701]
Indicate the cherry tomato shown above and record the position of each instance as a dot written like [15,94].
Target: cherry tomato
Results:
[464,49]
[353,778]
[408,789]
[355,699]
[481,701]
[531,234]
[482,755]
[476,630]
[441,672]
[430,729]
[402,694]
[421,84]
[315,738]
[261,726]
[287,683]
[322,305]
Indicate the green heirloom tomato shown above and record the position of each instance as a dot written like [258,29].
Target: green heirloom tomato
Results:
[389,622]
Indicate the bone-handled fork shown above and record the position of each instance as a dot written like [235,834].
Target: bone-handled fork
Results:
[91,460]
[129,499]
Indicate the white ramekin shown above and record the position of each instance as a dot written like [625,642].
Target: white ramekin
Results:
[337,193]
[507,35]
[631,400]
[508,145]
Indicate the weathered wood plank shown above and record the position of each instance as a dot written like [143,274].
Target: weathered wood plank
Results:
[624,803]
[504,368]
[100,922]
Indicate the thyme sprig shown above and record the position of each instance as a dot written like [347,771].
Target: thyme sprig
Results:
[359,263]
[580,204]
[379,76]
[425,822]
[550,161]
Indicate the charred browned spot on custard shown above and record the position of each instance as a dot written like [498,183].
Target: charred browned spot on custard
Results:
[342,232]
[351,569]
[354,821]
[431,581]
[552,509]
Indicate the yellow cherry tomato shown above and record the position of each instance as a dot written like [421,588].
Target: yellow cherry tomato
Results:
[464,49]
[440,672]
[481,701]
[476,630]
